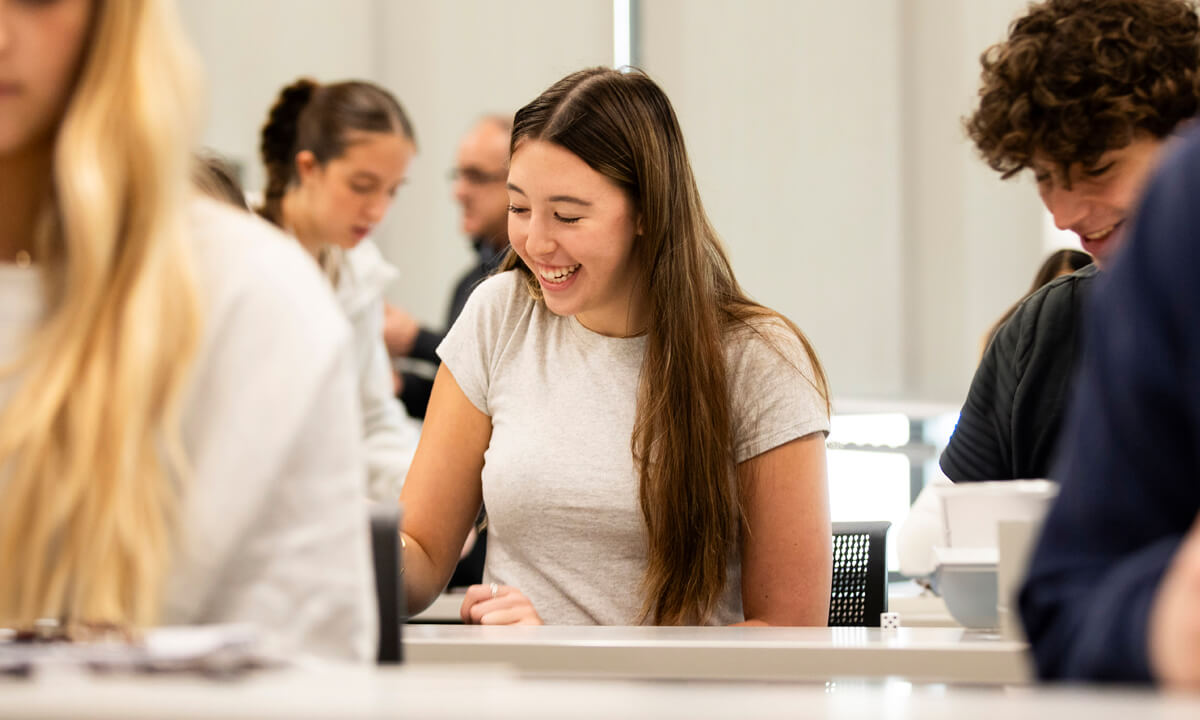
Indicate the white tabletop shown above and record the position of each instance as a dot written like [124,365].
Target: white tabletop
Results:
[728,653]
[443,610]
[496,695]
[915,609]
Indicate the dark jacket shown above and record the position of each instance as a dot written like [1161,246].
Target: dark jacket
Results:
[1011,420]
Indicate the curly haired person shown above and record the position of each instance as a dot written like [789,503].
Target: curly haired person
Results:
[1084,93]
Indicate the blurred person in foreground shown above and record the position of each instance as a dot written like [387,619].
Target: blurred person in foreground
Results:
[178,436]
[1113,591]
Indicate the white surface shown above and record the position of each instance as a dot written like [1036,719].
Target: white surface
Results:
[443,610]
[922,610]
[495,695]
[972,511]
[707,653]
[828,142]
[917,609]
[795,136]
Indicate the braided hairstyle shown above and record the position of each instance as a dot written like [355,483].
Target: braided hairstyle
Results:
[317,118]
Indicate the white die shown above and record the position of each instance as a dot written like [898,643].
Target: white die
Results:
[889,621]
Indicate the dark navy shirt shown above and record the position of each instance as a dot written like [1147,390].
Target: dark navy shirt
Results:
[1130,450]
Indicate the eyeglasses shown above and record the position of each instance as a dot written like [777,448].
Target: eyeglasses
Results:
[475,176]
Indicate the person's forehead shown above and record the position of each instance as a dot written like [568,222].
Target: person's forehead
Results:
[1041,160]
[485,142]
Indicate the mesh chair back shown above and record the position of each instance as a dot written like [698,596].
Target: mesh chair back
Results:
[859,591]
[385,548]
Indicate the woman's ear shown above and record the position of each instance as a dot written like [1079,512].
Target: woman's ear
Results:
[638,230]
[306,164]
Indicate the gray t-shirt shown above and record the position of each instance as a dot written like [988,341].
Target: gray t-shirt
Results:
[559,483]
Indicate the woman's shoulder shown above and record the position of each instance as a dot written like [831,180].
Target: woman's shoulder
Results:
[766,337]
[500,298]
[777,391]
[508,286]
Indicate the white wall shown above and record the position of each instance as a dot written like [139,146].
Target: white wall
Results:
[827,140]
[791,113]
[972,241]
[252,48]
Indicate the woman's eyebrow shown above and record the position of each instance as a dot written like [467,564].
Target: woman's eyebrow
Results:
[569,199]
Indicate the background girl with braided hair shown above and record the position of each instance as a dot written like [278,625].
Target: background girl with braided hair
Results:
[335,155]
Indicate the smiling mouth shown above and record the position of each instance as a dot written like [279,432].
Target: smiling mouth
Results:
[1101,234]
[558,275]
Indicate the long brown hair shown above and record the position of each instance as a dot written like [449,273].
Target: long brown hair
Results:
[623,126]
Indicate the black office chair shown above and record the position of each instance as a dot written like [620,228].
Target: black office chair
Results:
[389,590]
[859,592]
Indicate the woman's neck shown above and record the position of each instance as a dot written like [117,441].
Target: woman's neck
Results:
[295,221]
[24,185]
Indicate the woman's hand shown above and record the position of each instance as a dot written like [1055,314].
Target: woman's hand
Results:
[497,605]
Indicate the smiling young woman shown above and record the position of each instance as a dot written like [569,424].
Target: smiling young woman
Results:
[654,440]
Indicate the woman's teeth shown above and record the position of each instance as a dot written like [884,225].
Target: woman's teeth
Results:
[558,275]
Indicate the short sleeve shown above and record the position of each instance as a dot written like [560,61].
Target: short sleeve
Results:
[471,344]
[773,389]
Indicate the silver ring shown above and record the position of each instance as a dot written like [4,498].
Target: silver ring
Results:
[495,589]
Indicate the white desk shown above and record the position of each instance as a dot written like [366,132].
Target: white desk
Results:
[916,610]
[443,610]
[720,653]
[495,695]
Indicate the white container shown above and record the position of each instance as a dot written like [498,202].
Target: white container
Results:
[969,591]
[972,511]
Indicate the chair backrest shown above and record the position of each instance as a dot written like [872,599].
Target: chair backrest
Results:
[859,591]
[385,547]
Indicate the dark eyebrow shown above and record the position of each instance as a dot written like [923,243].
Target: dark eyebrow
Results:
[555,198]
[570,199]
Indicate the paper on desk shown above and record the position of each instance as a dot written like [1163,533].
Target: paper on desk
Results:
[198,648]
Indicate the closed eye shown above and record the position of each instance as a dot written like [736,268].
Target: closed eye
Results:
[567,220]
[1099,172]
[517,210]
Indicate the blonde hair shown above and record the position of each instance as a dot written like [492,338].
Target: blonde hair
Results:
[89,440]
